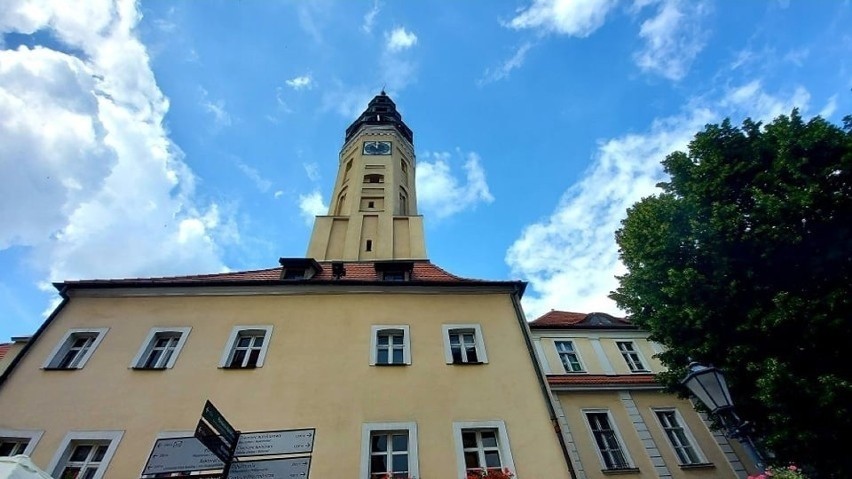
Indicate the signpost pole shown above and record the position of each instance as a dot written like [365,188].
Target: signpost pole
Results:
[231,457]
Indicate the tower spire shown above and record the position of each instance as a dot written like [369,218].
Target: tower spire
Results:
[373,208]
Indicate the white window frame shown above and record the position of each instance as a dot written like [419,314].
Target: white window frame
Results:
[367,430]
[148,344]
[32,436]
[63,345]
[575,352]
[481,355]
[502,442]
[72,438]
[622,445]
[377,329]
[635,351]
[232,342]
[693,443]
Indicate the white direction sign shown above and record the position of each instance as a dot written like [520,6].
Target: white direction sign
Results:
[272,443]
[289,468]
[179,455]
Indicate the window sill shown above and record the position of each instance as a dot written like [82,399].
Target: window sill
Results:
[389,364]
[623,470]
[140,368]
[60,369]
[469,363]
[700,465]
[238,368]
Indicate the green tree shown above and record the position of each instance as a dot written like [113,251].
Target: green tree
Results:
[744,261]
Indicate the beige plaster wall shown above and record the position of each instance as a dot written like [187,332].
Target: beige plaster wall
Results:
[316,374]
[589,357]
[576,402]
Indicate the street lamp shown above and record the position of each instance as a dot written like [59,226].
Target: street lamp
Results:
[709,386]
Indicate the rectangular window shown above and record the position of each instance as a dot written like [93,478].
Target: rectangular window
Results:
[84,454]
[394,276]
[246,347]
[390,345]
[389,450]
[75,348]
[568,355]
[17,441]
[609,446]
[679,437]
[482,446]
[463,344]
[631,356]
[13,446]
[160,348]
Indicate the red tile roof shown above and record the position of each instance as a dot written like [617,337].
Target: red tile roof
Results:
[593,380]
[569,320]
[422,271]
[4,348]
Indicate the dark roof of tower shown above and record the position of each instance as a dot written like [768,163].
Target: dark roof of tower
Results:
[381,111]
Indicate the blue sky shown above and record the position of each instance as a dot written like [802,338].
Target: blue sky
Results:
[160,138]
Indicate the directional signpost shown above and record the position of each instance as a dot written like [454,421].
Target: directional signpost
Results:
[180,455]
[217,434]
[287,468]
[217,445]
[272,443]
[213,442]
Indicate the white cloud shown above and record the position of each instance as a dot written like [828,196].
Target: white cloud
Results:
[673,38]
[312,170]
[99,190]
[370,17]
[311,205]
[441,193]
[501,72]
[262,184]
[347,101]
[570,258]
[829,108]
[400,39]
[216,108]
[278,194]
[579,18]
[300,82]
[751,100]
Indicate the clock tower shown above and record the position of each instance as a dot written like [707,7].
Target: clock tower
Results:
[373,208]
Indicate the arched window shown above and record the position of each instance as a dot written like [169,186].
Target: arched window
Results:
[341,204]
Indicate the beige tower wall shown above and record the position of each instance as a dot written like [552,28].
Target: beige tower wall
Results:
[316,374]
[370,186]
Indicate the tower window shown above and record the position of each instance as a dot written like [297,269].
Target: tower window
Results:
[403,204]
[374,178]
[369,246]
[371,204]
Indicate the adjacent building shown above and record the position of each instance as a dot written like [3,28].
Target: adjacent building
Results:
[397,366]
[614,416]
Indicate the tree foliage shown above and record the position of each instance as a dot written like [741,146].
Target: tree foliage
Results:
[744,261]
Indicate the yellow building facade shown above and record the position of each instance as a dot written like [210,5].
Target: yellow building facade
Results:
[395,365]
[614,416]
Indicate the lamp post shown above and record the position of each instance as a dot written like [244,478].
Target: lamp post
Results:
[709,386]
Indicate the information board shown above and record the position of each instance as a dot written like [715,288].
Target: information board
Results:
[271,443]
[289,468]
[181,455]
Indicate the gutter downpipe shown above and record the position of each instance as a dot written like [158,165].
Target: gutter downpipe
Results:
[20,356]
[542,382]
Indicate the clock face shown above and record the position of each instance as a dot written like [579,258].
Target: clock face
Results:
[377,148]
